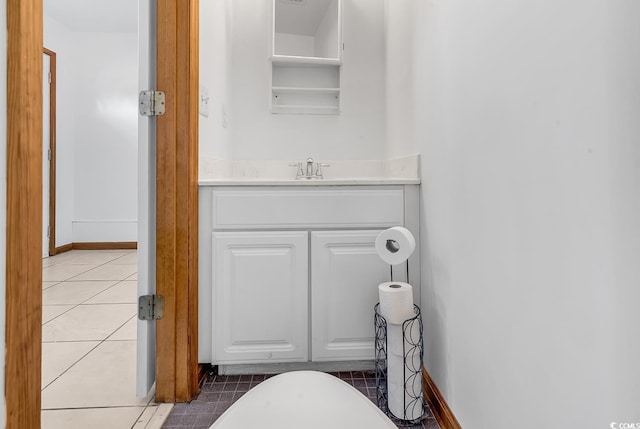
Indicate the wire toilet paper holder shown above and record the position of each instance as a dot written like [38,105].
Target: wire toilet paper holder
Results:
[410,371]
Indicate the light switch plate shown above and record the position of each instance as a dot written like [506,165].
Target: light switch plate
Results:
[204,101]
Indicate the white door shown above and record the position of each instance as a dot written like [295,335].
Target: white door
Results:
[46,69]
[146,365]
[260,296]
[345,273]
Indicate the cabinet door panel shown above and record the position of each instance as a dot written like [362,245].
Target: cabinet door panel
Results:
[345,274]
[260,296]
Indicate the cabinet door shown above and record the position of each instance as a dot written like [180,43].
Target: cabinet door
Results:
[260,297]
[345,274]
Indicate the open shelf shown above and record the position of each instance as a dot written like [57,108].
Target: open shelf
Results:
[306,57]
[305,100]
[304,109]
[294,89]
[292,59]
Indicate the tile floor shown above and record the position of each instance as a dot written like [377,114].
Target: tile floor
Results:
[89,353]
[89,343]
[220,391]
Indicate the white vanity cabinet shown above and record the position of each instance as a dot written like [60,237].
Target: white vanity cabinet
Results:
[290,273]
[345,274]
[261,296]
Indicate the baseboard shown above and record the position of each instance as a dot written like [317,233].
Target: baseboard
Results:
[109,245]
[438,405]
[115,245]
[62,249]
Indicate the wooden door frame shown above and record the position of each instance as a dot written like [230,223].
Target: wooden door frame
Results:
[176,227]
[52,149]
[177,201]
[24,214]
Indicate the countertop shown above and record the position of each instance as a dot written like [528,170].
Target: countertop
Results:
[395,171]
[252,181]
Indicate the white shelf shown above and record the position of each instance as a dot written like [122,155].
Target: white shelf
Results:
[305,109]
[305,68]
[290,59]
[293,89]
[305,100]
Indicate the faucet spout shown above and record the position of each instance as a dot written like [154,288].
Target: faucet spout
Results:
[309,167]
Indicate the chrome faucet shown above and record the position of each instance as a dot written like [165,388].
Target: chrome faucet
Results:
[310,167]
[310,172]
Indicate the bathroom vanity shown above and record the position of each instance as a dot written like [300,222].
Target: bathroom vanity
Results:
[288,271]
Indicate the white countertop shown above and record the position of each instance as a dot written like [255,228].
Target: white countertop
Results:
[396,171]
[252,181]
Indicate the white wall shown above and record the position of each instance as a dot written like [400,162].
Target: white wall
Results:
[525,113]
[215,40]
[3,198]
[97,134]
[295,44]
[326,39]
[106,137]
[357,133]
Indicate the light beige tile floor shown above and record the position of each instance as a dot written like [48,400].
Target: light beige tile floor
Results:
[89,343]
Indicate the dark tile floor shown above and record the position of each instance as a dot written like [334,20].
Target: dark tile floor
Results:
[220,391]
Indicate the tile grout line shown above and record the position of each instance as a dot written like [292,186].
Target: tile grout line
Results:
[99,342]
[84,272]
[105,407]
[71,366]
[85,301]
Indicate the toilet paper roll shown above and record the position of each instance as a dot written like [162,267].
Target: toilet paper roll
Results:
[404,385]
[395,245]
[396,301]
[402,338]
[404,361]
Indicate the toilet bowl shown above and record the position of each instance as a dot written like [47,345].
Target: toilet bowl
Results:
[309,399]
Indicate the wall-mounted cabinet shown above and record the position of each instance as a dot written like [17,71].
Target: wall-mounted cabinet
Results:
[306,56]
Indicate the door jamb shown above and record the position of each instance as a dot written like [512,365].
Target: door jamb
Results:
[177,201]
[23,324]
[52,149]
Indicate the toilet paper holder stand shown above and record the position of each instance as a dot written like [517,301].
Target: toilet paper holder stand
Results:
[411,372]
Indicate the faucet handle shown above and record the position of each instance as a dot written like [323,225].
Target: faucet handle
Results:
[319,166]
[299,171]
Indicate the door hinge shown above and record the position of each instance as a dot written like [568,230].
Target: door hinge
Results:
[49,154]
[49,77]
[150,307]
[49,231]
[151,103]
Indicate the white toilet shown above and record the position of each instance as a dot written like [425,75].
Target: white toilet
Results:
[309,399]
